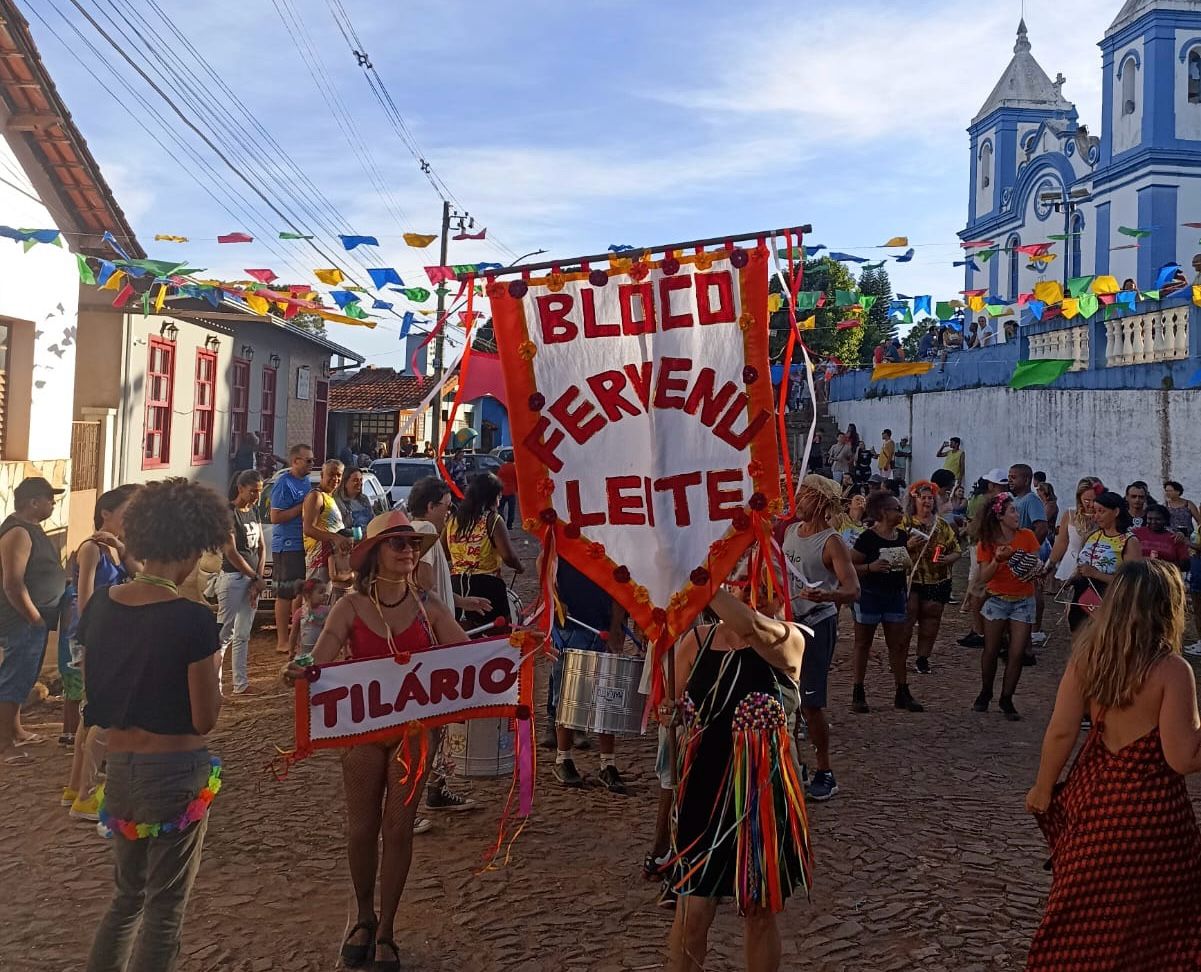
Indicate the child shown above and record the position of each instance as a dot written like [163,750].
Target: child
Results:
[309,619]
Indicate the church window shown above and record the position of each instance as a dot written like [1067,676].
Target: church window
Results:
[1015,265]
[1075,243]
[1194,77]
[1129,86]
[986,165]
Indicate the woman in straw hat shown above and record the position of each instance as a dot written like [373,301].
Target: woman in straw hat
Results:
[386,614]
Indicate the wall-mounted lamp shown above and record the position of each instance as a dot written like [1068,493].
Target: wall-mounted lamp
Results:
[168,331]
[212,342]
[247,352]
[274,360]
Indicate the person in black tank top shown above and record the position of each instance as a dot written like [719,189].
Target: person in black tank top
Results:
[741,828]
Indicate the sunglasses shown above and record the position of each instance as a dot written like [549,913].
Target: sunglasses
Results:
[401,543]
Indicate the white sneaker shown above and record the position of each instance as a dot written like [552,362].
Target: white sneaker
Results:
[1194,649]
[1038,638]
[421,825]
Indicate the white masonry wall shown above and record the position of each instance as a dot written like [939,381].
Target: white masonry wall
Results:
[1120,436]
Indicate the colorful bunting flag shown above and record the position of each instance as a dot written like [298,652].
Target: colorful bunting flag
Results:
[420,240]
[921,305]
[342,318]
[167,238]
[986,255]
[1070,307]
[806,300]
[86,275]
[1037,309]
[898,241]
[969,263]
[868,301]
[235,238]
[114,245]
[418,295]
[847,258]
[406,323]
[438,275]
[343,298]
[845,298]
[294,236]
[620,248]
[1088,305]
[333,277]
[875,266]
[350,242]
[975,303]
[464,235]
[808,324]
[1048,291]
[1166,274]
[160,298]
[943,311]
[123,295]
[1106,285]
[382,276]
[900,369]
[264,276]
[905,257]
[814,250]
[1127,297]
[260,305]
[849,324]
[1033,249]
[1029,374]
[1150,295]
[774,302]
[377,304]
[1079,285]
[999,310]
[112,280]
[1138,234]
[977,244]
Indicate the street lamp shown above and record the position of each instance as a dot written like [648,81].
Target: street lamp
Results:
[1067,203]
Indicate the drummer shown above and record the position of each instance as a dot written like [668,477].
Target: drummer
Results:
[592,621]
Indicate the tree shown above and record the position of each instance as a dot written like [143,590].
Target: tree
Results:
[309,322]
[484,338]
[878,326]
[826,276]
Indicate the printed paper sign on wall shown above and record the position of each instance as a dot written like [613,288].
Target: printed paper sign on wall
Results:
[641,404]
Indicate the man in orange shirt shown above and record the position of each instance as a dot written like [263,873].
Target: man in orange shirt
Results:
[507,473]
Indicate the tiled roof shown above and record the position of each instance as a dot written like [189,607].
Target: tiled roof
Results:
[38,116]
[377,390]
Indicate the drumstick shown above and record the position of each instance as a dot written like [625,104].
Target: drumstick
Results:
[603,635]
[497,623]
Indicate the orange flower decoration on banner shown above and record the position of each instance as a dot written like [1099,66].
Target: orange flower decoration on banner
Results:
[639,272]
[703,261]
[775,507]
[755,468]
[496,290]
[555,282]
[620,264]
[746,320]
[527,349]
[529,524]
[641,594]
[679,601]
[545,487]
[596,550]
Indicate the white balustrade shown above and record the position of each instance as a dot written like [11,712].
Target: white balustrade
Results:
[1069,343]
[1147,338]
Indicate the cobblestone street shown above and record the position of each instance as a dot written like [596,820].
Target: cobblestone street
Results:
[926,859]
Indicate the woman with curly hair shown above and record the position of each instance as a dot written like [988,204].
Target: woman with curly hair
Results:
[1008,558]
[1125,848]
[386,614]
[152,683]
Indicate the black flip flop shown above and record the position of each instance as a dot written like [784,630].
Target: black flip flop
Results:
[386,965]
[358,956]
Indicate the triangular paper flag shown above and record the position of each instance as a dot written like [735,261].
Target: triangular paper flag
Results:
[260,305]
[1106,285]
[975,304]
[378,304]
[905,257]
[774,302]
[1048,291]
[418,295]
[235,238]
[464,235]
[343,298]
[868,301]
[806,300]
[921,305]
[332,277]
[382,276]
[898,241]
[420,240]
[1028,374]
[809,323]
[86,275]
[845,298]
[294,236]
[1071,307]
[1166,274]
[1079,285]
[123,296]
[406,323]
[350,242]
[1088,305]
[943,311]
[265,276]
[1037,308]
[1137,234]
[114,281]
[166,238]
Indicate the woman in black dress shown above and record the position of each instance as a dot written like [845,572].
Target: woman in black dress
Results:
[741,830]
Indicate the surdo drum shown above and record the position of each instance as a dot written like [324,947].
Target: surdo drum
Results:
[600,693]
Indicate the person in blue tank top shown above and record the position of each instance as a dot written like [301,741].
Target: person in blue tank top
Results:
[287,538]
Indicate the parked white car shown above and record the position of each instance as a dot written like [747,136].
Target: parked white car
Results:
[397,476]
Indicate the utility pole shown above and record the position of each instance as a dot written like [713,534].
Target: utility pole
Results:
[459,220]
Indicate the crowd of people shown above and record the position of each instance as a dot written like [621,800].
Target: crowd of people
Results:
[143,672]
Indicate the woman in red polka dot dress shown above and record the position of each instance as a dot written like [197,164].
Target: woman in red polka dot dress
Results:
[1125,847]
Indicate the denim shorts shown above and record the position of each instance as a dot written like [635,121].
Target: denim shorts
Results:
[815,665]
[1006,609]
[872,608]
[24,647]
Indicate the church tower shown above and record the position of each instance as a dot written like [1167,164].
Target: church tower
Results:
[1151,124]
[1017,111]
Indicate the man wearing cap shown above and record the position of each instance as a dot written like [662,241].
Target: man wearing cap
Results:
[821,578]
[33,581]
[995,481]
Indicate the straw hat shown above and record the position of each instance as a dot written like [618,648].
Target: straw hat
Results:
[820,484]
[391,524]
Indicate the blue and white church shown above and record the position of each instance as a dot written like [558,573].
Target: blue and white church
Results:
[1141,170]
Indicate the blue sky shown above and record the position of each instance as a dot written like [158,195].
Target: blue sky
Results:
[570,126]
